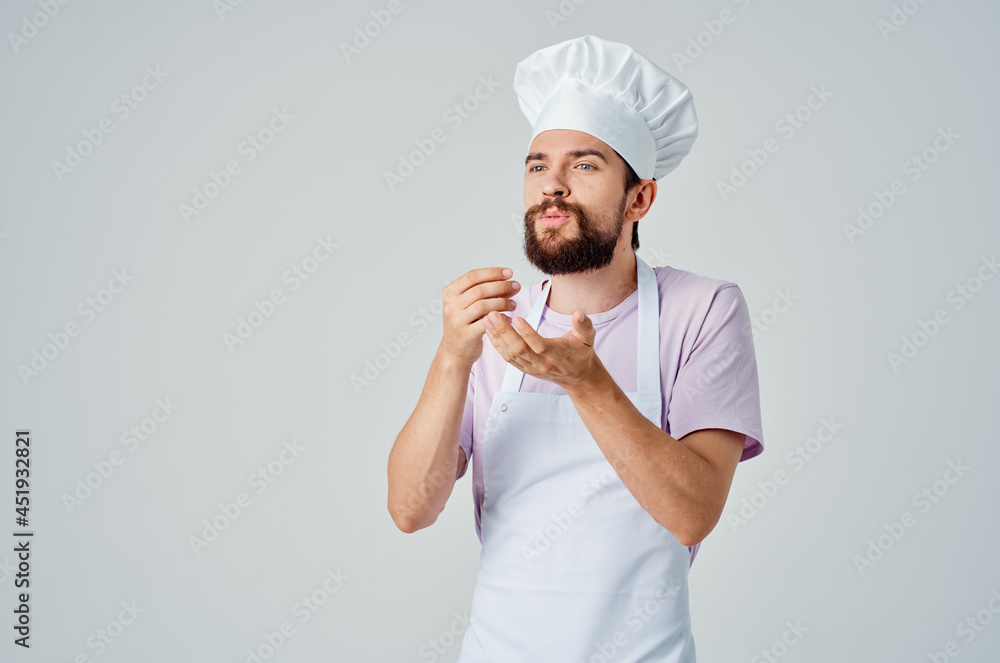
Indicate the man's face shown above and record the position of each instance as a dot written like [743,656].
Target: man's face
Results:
[574,194]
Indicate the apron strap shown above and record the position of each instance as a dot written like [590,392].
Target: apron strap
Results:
[513,376]
[648,359]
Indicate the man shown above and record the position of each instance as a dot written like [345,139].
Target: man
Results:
[605,420]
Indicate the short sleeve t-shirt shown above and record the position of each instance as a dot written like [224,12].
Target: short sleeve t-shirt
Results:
[708,368]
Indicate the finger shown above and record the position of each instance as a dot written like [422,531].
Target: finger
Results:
[476,316]
[514,360]
[506,339]
[486,297]
[583,326]
[532,338]
[473,278]
[499,344]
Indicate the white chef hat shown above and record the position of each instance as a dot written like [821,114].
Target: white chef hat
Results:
[614,93]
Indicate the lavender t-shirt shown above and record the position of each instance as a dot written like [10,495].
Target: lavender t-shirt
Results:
[708,369]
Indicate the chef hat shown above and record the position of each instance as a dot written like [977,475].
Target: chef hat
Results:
[612,92]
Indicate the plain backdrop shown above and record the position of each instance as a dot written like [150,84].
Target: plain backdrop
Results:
[226,226]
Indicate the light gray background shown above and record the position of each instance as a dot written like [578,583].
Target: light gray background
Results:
[324,176]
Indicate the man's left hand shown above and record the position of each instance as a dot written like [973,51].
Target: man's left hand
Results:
[566,361]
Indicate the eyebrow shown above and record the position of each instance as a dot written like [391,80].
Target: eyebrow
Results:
[541,156]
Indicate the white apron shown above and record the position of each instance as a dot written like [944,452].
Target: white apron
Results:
[572,569]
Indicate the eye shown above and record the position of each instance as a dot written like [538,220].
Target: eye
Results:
[531,169]
[587,166]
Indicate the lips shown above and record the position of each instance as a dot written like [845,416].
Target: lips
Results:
[553,217]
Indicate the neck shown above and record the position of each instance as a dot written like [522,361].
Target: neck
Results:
[596,291]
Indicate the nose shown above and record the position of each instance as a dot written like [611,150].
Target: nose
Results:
[554,184]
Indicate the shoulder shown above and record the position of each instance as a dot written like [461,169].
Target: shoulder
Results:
[687,291]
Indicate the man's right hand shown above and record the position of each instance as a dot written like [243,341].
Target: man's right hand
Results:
[466,301]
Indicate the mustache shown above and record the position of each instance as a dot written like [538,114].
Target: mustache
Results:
[572,208]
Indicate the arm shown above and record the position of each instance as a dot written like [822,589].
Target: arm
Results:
[683,484]
[422,464]
[426,457]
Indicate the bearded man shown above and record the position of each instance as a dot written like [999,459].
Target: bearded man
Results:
[605,423]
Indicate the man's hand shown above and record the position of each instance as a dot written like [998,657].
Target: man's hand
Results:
[466,301]
[566,361]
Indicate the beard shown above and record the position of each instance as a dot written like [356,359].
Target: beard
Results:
[552,253]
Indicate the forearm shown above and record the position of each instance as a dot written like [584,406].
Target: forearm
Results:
[424,458]
[671,482]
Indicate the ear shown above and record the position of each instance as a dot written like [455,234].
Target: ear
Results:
[640,200]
